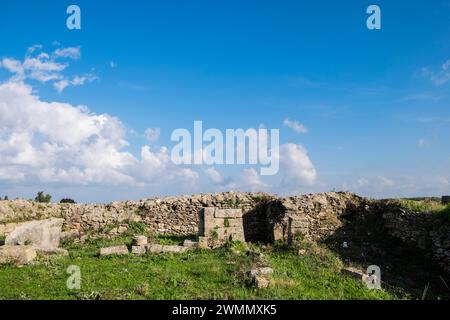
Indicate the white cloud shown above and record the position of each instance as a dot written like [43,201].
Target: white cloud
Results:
[71,52]
[52,143]
[295,125]
[386,182]
[214,175]
[362,182]
[252,181]
[113,64]
[152,134]
[440,77]
[42,67]
[60,143]
[295,165]
[61,85]
[34,48]
[13,65]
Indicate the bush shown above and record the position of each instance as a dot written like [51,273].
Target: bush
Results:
[41,198]
[67,200]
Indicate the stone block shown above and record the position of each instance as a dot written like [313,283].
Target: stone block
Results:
[261,282]
[54,251]
[117,250]
[19,255]
[41,234]
[355,273]
[262,271]
[228,213]
[139,250]
[203,242]
[69,235]
[220,226]
[139,241]
[159,248]
[190,244]
[234,222]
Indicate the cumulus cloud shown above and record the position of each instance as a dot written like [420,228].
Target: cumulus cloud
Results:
[252,181]
[152,134]
[295,125]
[60,143]
[54,143]
[296,167]
[43,67]
[214,175]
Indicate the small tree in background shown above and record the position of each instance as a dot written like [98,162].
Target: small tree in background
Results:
[67,201]
[43,198]
[6,198]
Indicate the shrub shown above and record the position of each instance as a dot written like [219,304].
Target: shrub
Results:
[67,200]
[43,198]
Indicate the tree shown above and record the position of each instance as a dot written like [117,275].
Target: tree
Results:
[6,198]
[67,200]
[43,198]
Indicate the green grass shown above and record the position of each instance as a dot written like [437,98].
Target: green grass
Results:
[422,205]
[199,274]
[443,214]
[440,212]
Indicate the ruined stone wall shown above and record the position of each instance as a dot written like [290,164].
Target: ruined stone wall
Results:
[312,216]
[427,231]
[265,218]
[318,216]
[171,215]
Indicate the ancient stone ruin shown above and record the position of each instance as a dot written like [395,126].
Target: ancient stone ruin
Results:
[264,218]
[27,239]
[217,226]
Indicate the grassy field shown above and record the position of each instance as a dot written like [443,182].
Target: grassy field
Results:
[199,274]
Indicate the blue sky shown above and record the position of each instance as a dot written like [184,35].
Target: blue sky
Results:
[375,103]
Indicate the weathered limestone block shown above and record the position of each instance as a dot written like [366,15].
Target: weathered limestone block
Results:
[261,282]
[262,271]
[69,235]
[139,250]
[159,248]
[6,229]
[54,251]
[190,244]
[19,255]
[203,242]
[42,235]
[139,240]
[355,273]
[228,213]
[117,250]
